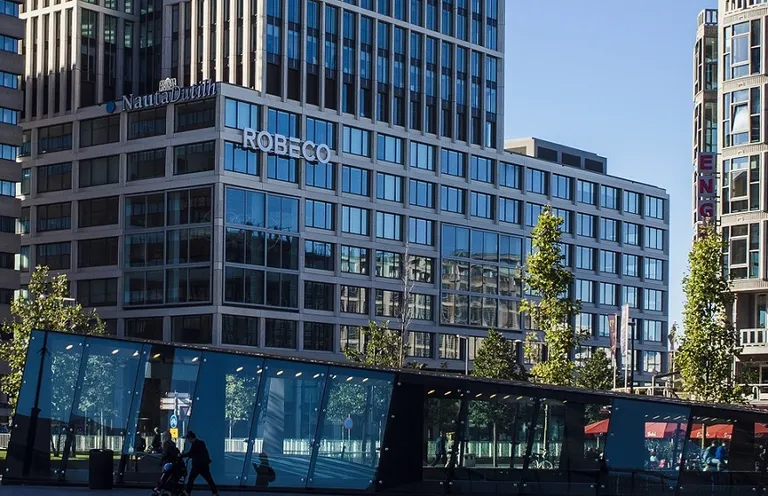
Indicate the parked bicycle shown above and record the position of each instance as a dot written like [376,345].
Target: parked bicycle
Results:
[539,462]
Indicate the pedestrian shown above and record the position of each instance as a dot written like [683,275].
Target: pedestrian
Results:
[157,443]
[440,449]
[201,463]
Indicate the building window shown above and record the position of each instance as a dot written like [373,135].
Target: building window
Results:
[584,324]
[99,171]
[192,329]
[536,181]
[421,344]
[741,117]
[630,264]
[98,211]
[148,328]
[532,213]
[631,234]
[321,132]
[97,292]
[318,214]
[389,226]
[388,303]
[422,156]
[654,238]
[238,330]
[146,123]
[420,231]
[318,336]
[653,300]
[654,207]
[565,216]
[481,205]
[388,264]
[740,190]
[318,175]
[585,192]
[241,115]
[631,202]
[509,210]
[100,131]
[561,187]
[98,252]
[354,299]
[195,115]
[355,180]
[607,293]
[146,164]
[742,254]
[282,169]
[584,291]
[354,260]
[608,262]
[55,256]
[54,217]
[585,225]
[652,330]
[452,199]
[18,226]
[609,229]
[318,255]
[388,149]
[56,177]
[26,181]
[509,175]
[319,295]
[354,220]
[357,142]
[448,347]
[609,197]
[654,269]
[651,361]
[195,157]
[452,163]
[389,187]
[742,49]
[631,296]
[20,261]
[481,169]
[603,326]
[585,258]
[421,193]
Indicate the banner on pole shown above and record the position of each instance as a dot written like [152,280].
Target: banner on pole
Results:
[625,336]
[612,333]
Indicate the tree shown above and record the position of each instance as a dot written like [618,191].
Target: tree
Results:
[496,359]
[597,372]
[239,394]
[405,310]
[47,307]
[547,277]
[383,348]
[709,347]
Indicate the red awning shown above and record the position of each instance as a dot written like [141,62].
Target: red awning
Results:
[662,430]
[599,428]
[717,431]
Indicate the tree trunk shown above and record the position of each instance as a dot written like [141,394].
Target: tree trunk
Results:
[493,446]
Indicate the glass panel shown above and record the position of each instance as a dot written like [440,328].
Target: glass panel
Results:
[44,407]
[548,436]
[352,431]
[441,430]
[103,401]
[166,388]
[645,444]
[283,435]
[225,398]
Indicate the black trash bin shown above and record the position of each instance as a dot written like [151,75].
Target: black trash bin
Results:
[100,464]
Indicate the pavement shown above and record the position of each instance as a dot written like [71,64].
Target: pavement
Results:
[13,490]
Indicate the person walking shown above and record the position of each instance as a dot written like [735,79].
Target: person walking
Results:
[440,449]
[201,463]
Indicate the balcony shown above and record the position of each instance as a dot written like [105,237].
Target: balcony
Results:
[754,341]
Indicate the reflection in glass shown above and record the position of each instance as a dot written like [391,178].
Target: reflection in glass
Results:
[497,431]
[103,399]
[286,423]
[548,435]
[441,430]
[352,431]
[225,397]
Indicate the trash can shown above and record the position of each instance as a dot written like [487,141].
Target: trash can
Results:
[469,460]
[100,464]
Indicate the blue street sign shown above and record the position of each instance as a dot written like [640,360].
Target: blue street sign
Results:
[348,423]
[174,421]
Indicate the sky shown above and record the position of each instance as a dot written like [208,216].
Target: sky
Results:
[614,78]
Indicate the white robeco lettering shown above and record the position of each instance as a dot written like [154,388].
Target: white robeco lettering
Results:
[282,145]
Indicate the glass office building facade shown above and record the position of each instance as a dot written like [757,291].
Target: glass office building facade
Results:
[331,427]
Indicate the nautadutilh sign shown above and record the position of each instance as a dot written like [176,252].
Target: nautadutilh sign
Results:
[167,93]
[283,145]
[706,193]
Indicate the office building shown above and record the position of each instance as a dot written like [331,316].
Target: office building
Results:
[253,174]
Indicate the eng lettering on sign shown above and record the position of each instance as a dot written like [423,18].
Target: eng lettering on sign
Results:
[706,186]
[285,146]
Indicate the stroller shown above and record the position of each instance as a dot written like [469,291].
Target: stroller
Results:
[171,482]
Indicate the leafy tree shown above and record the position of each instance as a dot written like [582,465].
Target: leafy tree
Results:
[239,396]
[382,347]
[706,355]
[47,307]
[547,277]
[597,372]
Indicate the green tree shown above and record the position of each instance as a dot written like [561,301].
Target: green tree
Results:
[706,355]
[597,372]
[239,394]
[548,278]
[382,347]
[47,307]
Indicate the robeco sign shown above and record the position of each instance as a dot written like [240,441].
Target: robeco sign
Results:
[283,145]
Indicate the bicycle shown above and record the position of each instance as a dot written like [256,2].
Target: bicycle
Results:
[539,462]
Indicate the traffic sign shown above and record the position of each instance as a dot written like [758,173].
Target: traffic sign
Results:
[174,433]
[348,424]
[174,421]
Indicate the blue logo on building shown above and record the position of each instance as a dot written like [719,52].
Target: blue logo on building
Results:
[111,107]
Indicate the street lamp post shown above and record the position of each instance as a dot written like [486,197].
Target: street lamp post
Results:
[466,352]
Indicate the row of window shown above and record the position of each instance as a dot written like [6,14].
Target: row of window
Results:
[597,325]
[606,293]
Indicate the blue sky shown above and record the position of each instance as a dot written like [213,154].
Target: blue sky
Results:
[614,78]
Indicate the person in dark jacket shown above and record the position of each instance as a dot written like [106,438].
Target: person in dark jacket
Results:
[170,452]
[201,463]
[157,443]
